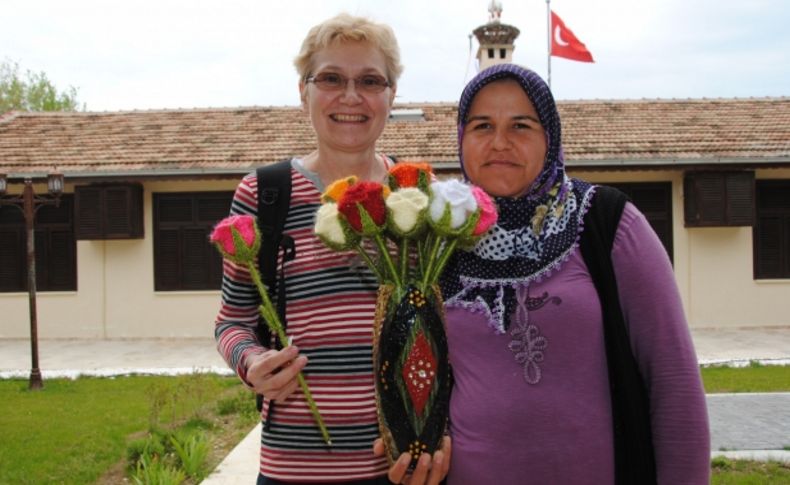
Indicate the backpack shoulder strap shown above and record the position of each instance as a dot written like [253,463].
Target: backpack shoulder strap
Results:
[274,199]
[633,444]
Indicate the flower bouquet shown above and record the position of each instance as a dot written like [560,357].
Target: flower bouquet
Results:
[406,232]
[238,239]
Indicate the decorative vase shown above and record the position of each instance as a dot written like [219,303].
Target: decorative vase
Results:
[412,369]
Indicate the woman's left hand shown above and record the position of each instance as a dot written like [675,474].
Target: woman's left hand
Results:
[429,471]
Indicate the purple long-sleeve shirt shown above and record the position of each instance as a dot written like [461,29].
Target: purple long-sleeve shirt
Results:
[546,419]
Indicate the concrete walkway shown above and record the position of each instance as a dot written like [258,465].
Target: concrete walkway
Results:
[750,426]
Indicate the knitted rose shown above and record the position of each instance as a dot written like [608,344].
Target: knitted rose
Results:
[363,206]
[408,174]
[454,198]
[488,213]
[237,238]
[336,189]
[330,228]
[406,210]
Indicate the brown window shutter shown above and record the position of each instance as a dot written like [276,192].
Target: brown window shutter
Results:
[711,199]
[88,213]
[196,259]
[740,198]
[182,224]
[167,260]
[654,200]
[109,211]
[769,247]
[772,229]
[13,262]
[123,212]
[718,199]
[61,274]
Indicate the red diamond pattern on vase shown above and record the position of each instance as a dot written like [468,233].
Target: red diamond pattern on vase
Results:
[419,372]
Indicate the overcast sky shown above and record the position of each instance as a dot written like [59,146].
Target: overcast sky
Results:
[152,54]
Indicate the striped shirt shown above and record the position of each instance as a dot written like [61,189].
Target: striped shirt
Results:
[331,305]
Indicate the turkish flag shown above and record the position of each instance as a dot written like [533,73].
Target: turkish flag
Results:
[565,44]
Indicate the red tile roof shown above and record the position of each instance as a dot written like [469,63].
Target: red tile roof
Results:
[595,133]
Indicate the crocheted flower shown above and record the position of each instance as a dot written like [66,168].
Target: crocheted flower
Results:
[237,238]
[410,174]
[363,206]
[488,213]
[406,210]
[452,205]
[336,189]
[330,228]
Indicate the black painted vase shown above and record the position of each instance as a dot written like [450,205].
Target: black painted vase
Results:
[412,372]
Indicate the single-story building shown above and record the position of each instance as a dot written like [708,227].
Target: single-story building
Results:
[125,254]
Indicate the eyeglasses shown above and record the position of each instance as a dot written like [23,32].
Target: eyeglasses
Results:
[330,81]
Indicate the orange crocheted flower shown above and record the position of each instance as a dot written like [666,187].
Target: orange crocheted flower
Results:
[408,174]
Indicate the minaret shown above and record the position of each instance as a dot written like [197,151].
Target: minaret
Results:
[495,39]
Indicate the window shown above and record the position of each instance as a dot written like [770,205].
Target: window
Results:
[772,229]
[718,199]
[490,53]
[109,211]
[183,257]
[56,251]
[502,53]
[654,200]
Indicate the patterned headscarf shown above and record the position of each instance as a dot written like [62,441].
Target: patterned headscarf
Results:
[536,232]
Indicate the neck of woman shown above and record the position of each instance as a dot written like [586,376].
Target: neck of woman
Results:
[367,165]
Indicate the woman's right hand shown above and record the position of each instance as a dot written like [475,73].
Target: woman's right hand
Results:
[274,372]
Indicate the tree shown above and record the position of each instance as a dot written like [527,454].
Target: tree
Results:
[33,93]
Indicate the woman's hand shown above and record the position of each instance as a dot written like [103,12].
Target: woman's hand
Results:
[427,472]
[273,373]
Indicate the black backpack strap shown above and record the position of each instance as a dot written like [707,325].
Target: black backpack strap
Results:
[274,199]
[633,444]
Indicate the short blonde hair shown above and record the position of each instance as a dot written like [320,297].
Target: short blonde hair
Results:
[348,28]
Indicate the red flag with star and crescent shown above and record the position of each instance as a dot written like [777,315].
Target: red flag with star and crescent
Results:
[565,44]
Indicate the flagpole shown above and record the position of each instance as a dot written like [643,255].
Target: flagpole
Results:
[548,40]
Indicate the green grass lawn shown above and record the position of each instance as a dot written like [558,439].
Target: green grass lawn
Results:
[753,378]
[73,431]
[80,431]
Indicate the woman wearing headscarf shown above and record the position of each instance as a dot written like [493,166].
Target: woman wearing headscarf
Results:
[572,358]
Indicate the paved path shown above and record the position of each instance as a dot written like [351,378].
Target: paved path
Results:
[749,421]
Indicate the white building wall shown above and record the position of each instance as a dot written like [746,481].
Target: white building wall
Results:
[115,296]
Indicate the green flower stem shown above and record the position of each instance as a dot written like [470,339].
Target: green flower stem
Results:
[421,256]
[443,259]
[385,255]
[437,242]
[404,259]
[373,266]
[273,321]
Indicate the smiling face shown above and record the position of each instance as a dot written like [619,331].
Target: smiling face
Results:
[504,144]
[347,120]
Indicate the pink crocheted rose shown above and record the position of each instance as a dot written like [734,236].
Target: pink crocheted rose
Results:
[248,239]
[488,213]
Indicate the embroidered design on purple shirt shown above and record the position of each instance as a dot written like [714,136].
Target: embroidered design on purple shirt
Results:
[528,344]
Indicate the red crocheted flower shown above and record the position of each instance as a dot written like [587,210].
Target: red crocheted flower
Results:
[408,174]
[370,195]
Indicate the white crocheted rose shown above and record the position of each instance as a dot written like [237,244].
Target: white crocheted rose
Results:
[454,195]
[406,208]
[329,227]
